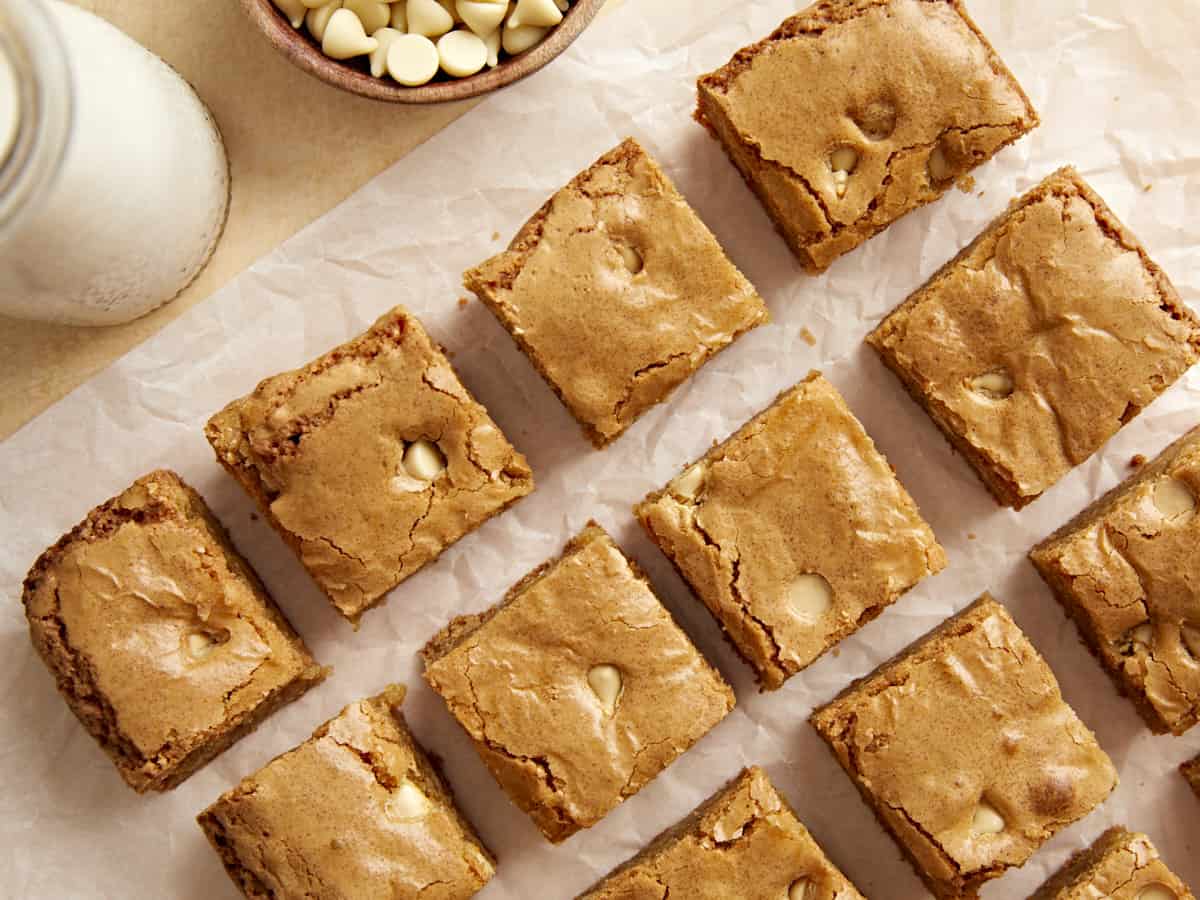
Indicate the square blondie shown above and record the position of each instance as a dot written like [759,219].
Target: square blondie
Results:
[795,532]
[370,461]
[1120,865]
[1042,338]
[577,689]
[357,810]
[966,751]
[162,639]
[1127,571]
[617,292]
[742,842]
[856,112]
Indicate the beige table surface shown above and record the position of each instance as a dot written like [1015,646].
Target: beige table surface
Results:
[296,148]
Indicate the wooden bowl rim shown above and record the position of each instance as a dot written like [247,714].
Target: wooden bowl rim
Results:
[299,47]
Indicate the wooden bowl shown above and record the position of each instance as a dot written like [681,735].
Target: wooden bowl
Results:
[352,75]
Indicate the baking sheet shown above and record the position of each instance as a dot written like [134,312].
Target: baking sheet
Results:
[1117,85]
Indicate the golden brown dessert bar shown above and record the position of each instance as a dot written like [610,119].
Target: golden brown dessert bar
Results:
[577,689]
[744,842]
[1120,865]
[370,461]
[163,641]
[856,112]
[1127,571]
[1033,346]
[357,810]
[617,292]
[795,532]
[966,751]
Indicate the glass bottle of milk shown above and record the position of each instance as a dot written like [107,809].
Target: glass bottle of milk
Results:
[114,184]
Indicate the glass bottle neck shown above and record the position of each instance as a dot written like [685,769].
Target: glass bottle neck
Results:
[40,102]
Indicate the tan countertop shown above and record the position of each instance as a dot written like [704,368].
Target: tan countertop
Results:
[296,147]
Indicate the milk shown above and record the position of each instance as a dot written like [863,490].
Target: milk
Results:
[141,197]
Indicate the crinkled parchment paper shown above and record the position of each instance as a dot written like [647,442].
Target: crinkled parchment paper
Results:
[1118,86]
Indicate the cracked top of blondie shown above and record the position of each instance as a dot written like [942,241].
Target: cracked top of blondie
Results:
[371,460]
[617,291]
[578,688]
[742,842]
[161,638]
[966,750]
[357,810]
[855,112]
[794,532]
[1041,339]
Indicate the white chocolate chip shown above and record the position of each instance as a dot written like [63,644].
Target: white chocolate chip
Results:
[1173,498]
[482,16]
[810,597]
[293,9]
[539,13]
[461,53]
[407,803]
[1157,891]
[722,835]
[632,259]
[843,161]
[993,385]
[690,483]
[518,40]
[423,460]
[428,18]
[606,683]
[987,820]
[412,59]
[374,14]
[317,18]
[800,890]
[1143,634]
[385,36]
[492,42]
[400,16]
[200,645]
[345,38]
[939,165]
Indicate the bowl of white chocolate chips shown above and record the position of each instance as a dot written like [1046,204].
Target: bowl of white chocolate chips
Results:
[421,51]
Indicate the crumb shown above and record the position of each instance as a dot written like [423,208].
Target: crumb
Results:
[971,535]
[1137,462]
[835,652]
[808,337]
[981,193]
[253,517]
[966,184]
[495,235]
[462,302]
[1148,188]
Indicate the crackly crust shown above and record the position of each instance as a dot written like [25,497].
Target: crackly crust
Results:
[1049,557]
[161,496]
[365,399]
[543,742]
[695,550]
[375,731]
[720,843]
[552,311]
[806,215]
[1118,865]
[1063,185]
[1062,779]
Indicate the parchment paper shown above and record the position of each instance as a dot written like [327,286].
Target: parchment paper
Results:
[1118,85]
